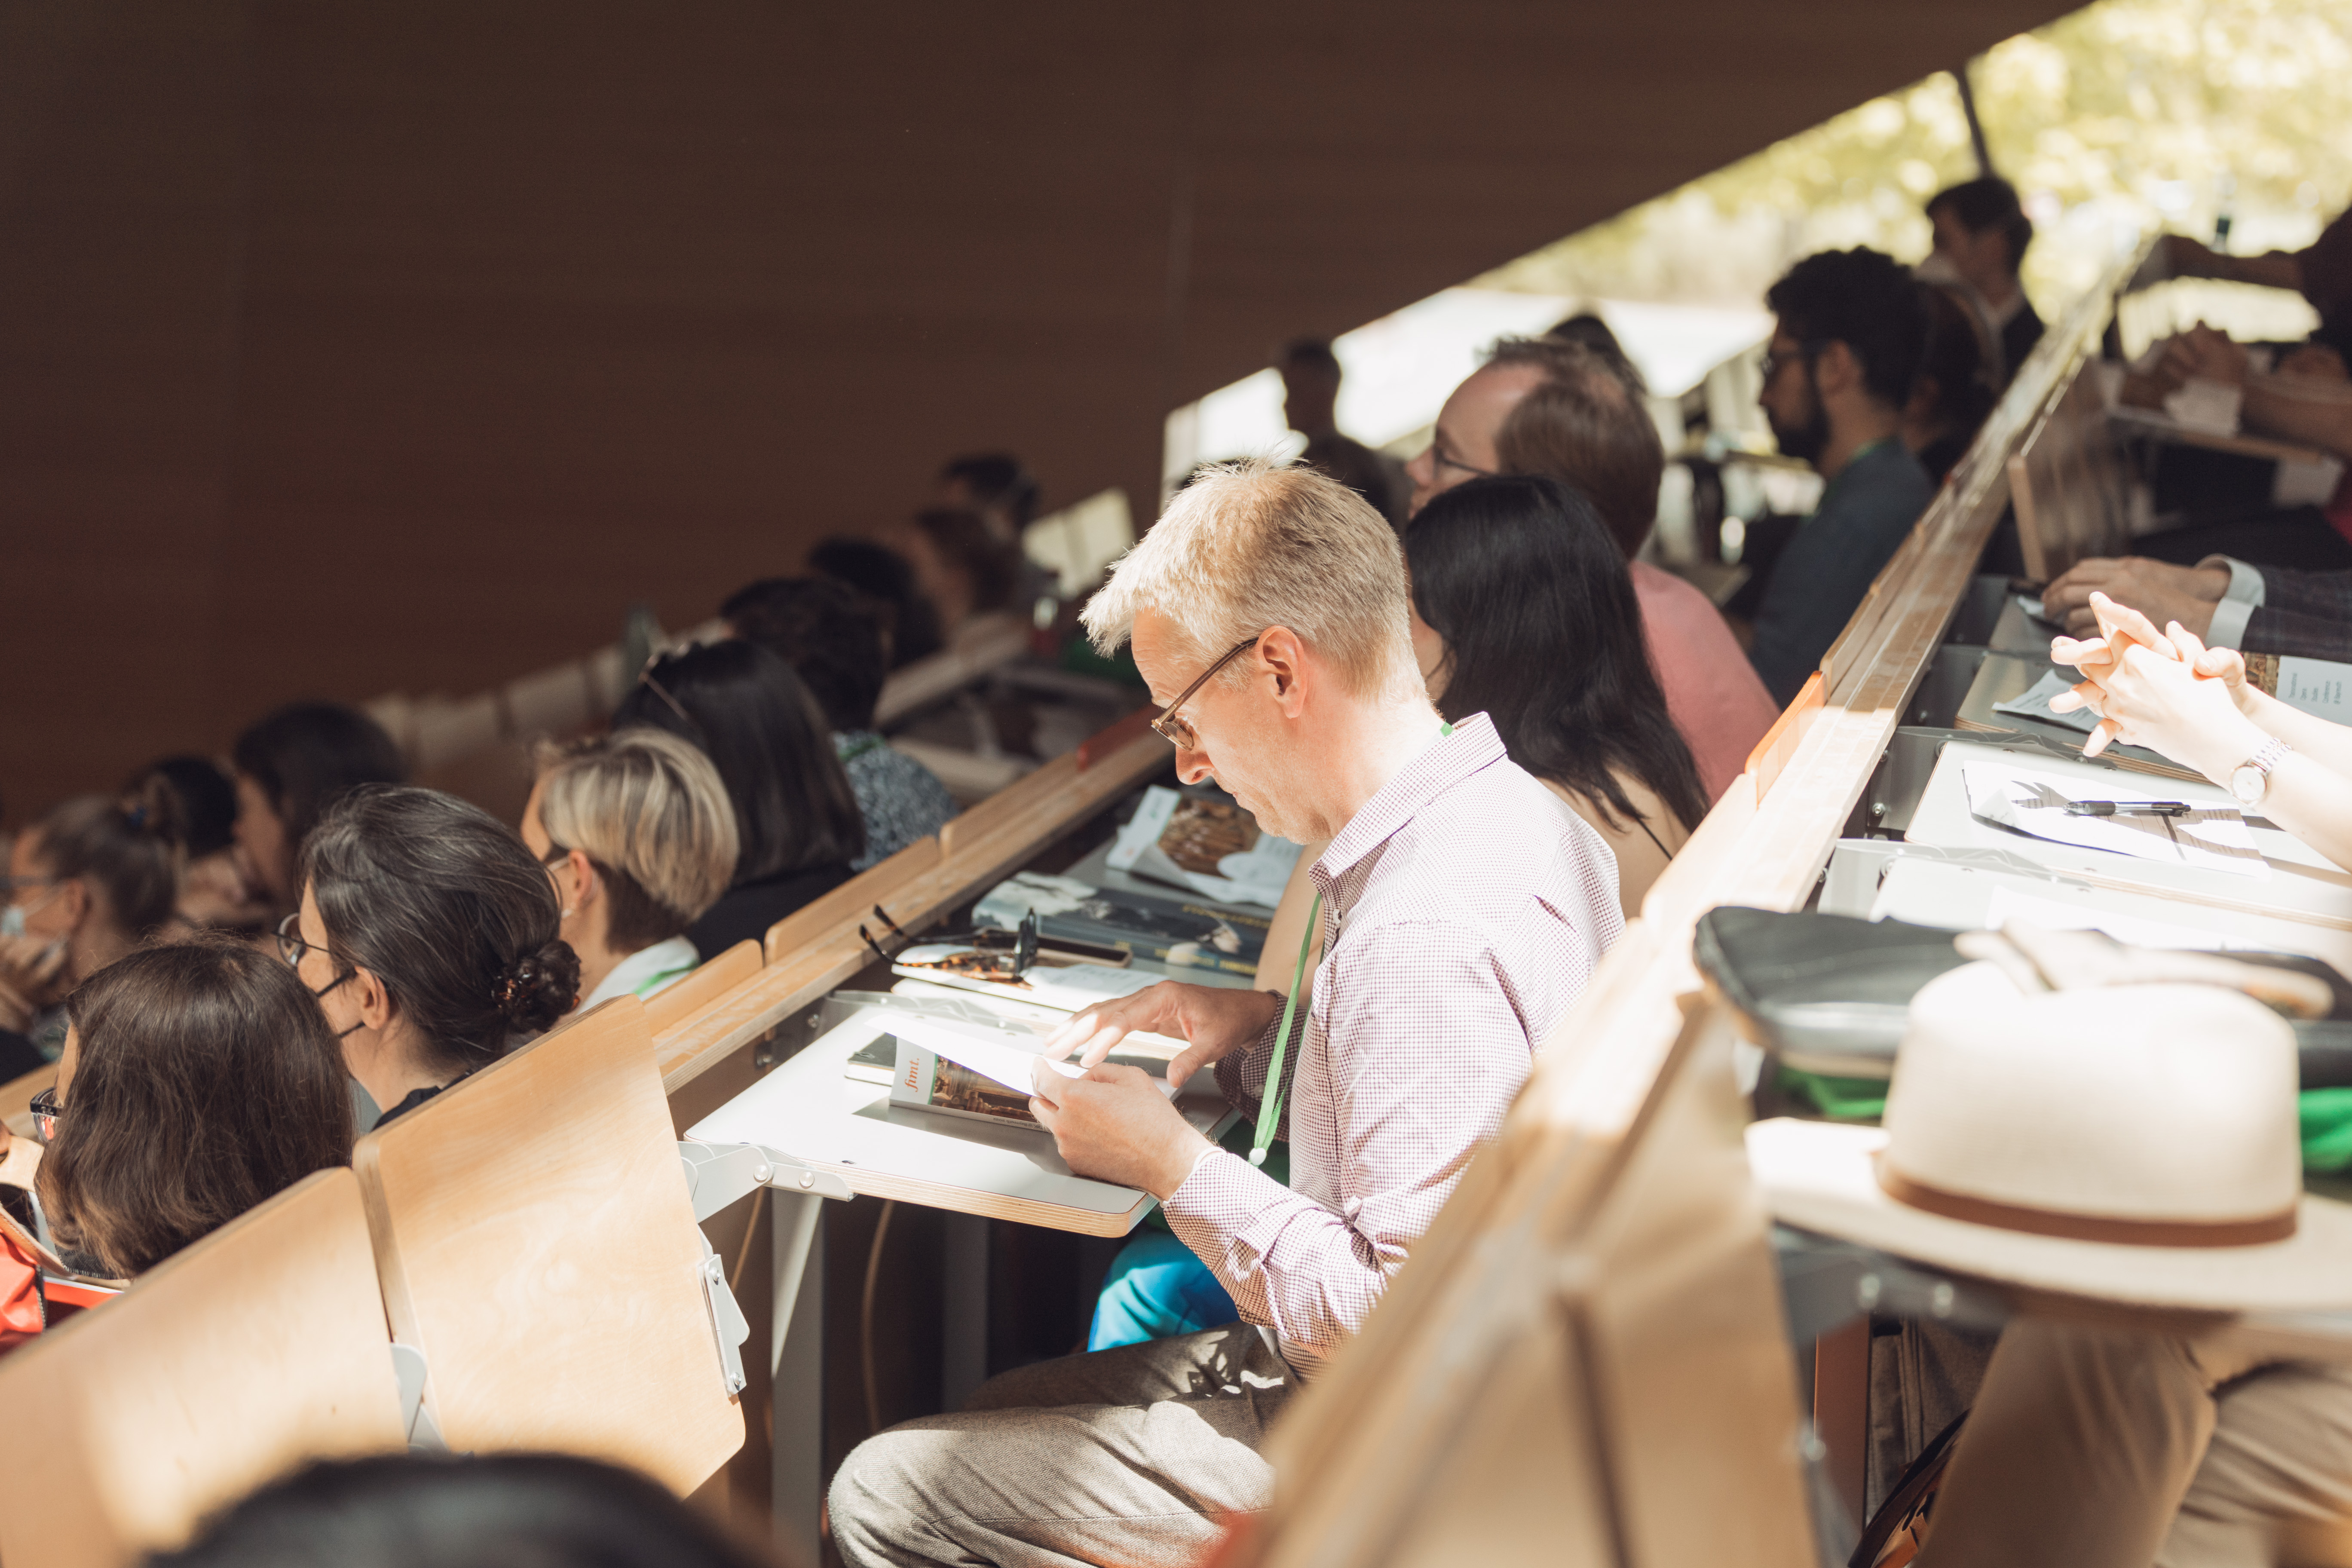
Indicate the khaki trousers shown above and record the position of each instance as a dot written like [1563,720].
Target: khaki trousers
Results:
[2099,1449]
[1131,1455]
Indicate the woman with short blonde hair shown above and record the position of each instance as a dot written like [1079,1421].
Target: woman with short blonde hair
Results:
[637,833]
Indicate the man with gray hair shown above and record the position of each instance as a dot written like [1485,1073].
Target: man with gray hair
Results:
[1462,910]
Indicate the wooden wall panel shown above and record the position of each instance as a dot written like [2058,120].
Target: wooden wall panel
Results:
[345,349]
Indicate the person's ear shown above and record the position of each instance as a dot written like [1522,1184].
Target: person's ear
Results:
[375,1002]
[1282,661]
[586,887]
[1835,369]
[74,903]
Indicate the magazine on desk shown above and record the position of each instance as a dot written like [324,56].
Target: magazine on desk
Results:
[962,1070]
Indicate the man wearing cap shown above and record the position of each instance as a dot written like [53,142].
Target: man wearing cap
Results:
[2123,1146]
[1462,910]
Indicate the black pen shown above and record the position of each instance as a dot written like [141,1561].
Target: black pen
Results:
[2131,809]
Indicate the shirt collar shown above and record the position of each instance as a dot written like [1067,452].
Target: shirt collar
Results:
[640,968]
[1470,745]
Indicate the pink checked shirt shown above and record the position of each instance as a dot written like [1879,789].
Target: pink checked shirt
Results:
[1464,909]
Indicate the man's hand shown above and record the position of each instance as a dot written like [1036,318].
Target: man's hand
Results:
[1216,1021]
[2313,361]
[1115,1126]
[2201,351]
[2158,590]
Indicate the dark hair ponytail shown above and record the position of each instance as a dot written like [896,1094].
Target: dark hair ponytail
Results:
[1543,633]
[129,847]
[441,902]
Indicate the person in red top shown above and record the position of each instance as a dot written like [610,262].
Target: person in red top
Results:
[1560,409]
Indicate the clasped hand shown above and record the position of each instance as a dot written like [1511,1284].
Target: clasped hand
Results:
[1114,1124]
[2165,690]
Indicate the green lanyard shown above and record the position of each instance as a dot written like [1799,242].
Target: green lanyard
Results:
[1269,1105]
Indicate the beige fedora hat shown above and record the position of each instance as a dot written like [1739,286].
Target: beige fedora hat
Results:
[2133,1143]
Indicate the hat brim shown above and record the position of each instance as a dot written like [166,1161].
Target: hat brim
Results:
[1820,1176]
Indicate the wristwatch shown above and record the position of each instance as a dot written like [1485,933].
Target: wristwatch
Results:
[2251,780]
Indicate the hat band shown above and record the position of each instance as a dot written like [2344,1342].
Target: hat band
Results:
[2277,1226]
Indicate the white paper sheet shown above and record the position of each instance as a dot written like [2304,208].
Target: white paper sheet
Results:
[2211,838]
[2319,687]
[2034,703]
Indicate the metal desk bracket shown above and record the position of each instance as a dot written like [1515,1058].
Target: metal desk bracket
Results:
[409,1371]
[718,1174]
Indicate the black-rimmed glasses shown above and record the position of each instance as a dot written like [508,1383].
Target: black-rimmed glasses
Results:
[1171,725]
[46,1111]
[1807,352]
[291,947]
[1439,458]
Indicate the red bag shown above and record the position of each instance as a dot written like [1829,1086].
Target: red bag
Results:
[23,1312]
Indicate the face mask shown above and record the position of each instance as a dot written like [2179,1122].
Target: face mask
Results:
[12,920]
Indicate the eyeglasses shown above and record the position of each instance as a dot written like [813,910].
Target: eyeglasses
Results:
[46,1111]
[1808,350]
[291,947]
[1174,729]
[1440,457]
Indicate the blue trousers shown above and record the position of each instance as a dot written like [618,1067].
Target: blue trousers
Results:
[1156,1289]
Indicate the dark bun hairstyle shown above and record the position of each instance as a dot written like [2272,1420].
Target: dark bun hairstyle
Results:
[207,801]
[442,902]
[129,847]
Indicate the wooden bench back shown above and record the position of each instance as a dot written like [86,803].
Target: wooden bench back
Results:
[535,1240]
[674,1004]
[1585,1360]
[256,1351]
[2066,483]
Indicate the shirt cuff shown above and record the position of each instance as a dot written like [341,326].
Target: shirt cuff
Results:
[2246,584]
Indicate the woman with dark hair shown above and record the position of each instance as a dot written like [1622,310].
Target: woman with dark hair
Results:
[198,1080]
[215,890]
[797,825]
[495,1511]
[429,935]
[1523,610]
[86,884]
[290,767]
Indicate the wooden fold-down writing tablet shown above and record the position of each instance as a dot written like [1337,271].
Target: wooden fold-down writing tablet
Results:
[253,1352]
[536,1242]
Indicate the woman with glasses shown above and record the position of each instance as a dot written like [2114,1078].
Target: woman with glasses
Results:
[430,936]
[635,831]
[86,884]
[797,825]
[198,1080]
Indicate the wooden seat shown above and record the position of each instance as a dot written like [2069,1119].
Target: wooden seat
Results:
[259,1349]
[667,1008]
[536,1241]
[555,701]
